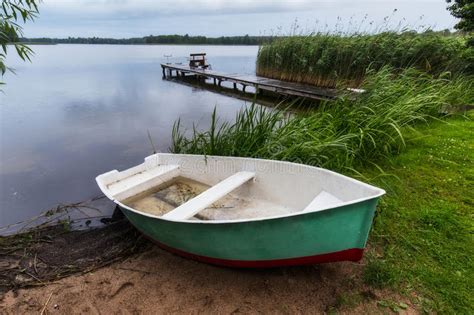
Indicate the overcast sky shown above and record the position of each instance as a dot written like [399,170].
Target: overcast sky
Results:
[137,18]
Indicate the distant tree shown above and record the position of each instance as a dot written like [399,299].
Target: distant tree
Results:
[464,10]
[12,13]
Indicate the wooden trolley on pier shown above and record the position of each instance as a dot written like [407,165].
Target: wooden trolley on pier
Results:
[198,60]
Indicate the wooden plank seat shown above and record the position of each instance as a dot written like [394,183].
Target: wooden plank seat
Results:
[141,181]
[208,197]
[322,201]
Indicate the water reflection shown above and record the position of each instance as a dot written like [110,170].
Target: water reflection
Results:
[80,110]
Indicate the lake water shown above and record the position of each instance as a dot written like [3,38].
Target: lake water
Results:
[77,111]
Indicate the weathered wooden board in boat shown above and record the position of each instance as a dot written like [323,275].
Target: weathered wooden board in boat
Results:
[280,213]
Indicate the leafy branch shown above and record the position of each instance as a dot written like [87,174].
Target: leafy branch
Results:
[12,13]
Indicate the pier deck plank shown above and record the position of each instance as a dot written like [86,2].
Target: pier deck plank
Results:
[277,86]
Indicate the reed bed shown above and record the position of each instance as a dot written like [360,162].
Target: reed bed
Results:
[329,60]
[340,134]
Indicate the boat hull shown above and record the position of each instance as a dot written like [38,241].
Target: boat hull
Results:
[338,234]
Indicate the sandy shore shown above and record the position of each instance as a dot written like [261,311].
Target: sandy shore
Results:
[158,282]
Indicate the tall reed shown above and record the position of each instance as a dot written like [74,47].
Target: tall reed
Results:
[327,60]
[339,134]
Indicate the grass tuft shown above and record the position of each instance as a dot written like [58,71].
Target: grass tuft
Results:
[340,134]
[378,273]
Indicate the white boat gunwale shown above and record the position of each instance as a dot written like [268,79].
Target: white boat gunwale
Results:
[380,192]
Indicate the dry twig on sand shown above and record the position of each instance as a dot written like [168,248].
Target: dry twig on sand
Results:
[49,253]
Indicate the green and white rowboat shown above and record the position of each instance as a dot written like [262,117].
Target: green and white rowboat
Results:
[243,212]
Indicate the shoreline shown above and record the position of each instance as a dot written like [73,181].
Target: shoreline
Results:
[153,280]
[47,254]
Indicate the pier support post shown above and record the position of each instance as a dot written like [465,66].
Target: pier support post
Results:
[235,86]
[215,82]
[244,87]
[220,81]
[164,72]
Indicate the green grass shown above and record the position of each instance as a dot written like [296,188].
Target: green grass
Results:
[423,231]
[329,60]
[340,134]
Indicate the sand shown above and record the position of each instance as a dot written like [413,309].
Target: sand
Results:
[157,282]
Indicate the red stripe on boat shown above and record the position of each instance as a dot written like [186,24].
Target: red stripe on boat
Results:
[352,254]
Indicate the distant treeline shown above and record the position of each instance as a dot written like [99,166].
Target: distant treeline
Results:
[159,39]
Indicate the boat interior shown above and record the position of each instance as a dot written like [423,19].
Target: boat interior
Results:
[189,187]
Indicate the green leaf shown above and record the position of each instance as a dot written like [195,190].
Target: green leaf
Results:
[403,305]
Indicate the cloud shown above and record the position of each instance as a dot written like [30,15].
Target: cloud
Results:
[137,8]
[128,18]
[144,8]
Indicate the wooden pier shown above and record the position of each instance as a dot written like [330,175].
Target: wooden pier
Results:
[258,83]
